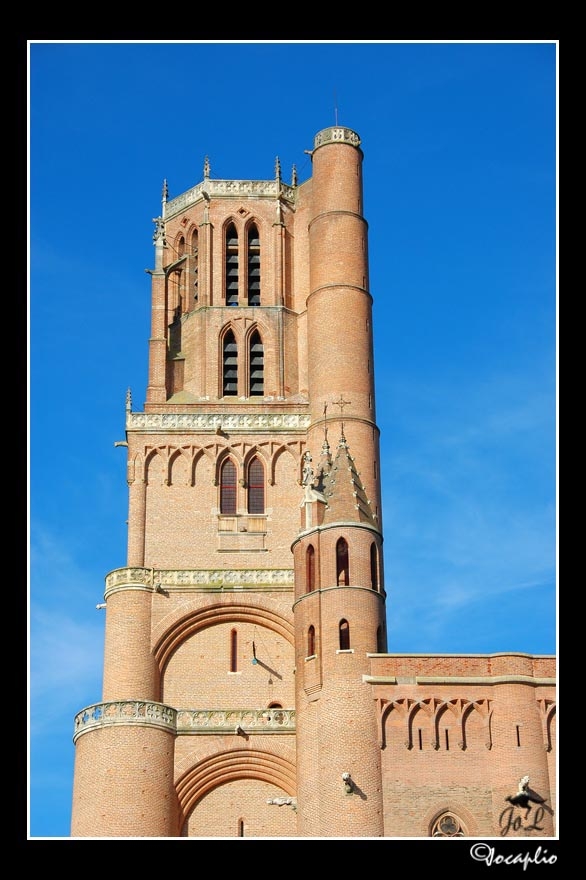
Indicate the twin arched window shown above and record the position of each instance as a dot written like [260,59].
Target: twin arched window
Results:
[251,262]
[255,487]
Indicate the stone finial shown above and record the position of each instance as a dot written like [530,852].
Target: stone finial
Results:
[206,168]
[294,176]
[277,169]
[164,197]
[128,400]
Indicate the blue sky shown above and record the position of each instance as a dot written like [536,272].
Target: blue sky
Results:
[460,189]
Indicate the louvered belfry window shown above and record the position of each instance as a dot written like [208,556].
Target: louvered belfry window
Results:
[253,267]
[230,366]
[257,366]
[228,488]
[231,266]
[256,487]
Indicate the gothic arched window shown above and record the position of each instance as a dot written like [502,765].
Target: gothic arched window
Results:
[233,651]
[342,564]
[231,266]
[253,267]
[447,825]
[257,366]
[311,641]
[230,365]
[256,486]
[373,566]
[344,630]
[310,569]
[195,264]
[228,488]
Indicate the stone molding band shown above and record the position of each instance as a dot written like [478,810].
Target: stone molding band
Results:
[253,422]
[183,721]
[219,578]
[338,135]
[271,189]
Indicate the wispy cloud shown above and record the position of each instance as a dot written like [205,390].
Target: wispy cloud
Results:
[469,516]
[66,633]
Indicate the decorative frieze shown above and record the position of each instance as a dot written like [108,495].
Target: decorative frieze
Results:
[143,713]
[252,422]
[221,578]
[271,189]
[242,721]
[183,721]
[431,711]
[337,135]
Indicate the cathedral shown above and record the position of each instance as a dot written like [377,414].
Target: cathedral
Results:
[248,690]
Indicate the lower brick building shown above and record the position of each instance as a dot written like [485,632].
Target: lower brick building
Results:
[248,690]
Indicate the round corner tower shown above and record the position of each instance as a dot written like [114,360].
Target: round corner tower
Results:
[339,595]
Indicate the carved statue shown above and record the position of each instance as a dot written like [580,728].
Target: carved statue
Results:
[308,473]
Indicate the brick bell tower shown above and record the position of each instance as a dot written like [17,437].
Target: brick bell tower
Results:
[237,633]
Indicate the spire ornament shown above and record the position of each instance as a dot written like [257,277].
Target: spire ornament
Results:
[164,196]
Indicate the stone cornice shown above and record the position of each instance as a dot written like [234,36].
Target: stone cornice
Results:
[146,713]
[208,580]
[229,189]
[458,680]
[242,423]
[402,655]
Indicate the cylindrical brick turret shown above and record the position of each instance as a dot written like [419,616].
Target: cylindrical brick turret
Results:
[130,671]
[339,603]
[339,307]
[123,780]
